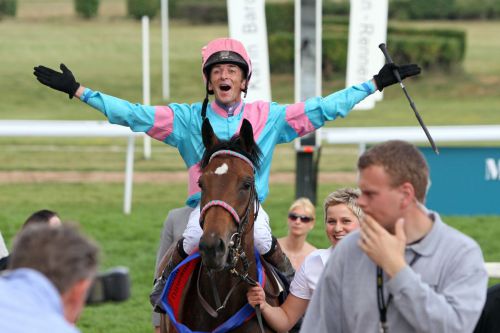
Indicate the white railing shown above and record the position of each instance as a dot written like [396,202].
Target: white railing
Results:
[345,135]
[493,269]
[364,135]
[63,128]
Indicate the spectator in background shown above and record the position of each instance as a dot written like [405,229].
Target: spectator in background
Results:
[405,270]
[43,216]
[342,215]
[301,220]
[50,272]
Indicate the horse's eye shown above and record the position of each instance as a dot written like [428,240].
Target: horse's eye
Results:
[247,185]
[200,184]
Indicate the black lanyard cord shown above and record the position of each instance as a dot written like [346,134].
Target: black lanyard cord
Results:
[382,305]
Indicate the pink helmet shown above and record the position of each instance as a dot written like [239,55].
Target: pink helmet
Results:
[225,50]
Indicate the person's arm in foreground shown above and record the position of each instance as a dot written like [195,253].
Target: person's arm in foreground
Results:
[280,318]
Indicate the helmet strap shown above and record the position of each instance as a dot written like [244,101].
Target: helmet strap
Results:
[205,104]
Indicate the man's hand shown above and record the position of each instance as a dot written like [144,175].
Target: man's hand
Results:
[384,249]
[386,77]
[64,81]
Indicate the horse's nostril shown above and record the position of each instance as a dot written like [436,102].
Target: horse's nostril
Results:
[202,247]
[221,248]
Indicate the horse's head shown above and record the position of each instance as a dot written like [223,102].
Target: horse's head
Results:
[228,198]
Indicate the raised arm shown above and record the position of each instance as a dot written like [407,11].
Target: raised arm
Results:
[280,318]
[156,121]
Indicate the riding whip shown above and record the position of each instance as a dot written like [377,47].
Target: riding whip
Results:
[388,58]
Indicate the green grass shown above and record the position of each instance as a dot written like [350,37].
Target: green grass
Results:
[105,54]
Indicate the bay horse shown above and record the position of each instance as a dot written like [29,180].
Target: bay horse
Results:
[212,296]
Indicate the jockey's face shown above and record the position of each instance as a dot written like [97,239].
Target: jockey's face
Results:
[227,83]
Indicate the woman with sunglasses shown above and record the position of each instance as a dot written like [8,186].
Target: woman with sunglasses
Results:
[342,216]
[301,218]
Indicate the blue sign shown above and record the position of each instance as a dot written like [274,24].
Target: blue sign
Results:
[464,181]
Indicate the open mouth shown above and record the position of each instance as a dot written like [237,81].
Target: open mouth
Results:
[225,87]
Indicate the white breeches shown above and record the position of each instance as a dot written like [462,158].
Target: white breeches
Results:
[261,232]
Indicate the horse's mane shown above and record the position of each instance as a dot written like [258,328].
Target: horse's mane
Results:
[233,144]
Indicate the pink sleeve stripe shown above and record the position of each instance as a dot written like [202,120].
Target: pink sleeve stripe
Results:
[257,114]
[298,120]
[163,125]
[194,173]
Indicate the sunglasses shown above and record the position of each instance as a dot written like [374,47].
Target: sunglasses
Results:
[303,218]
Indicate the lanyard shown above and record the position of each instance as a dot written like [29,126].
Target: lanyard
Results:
[382,305]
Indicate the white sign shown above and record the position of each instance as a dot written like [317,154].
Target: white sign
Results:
[247,23]
[367,30]
[492,169]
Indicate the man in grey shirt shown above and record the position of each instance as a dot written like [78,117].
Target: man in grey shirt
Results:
[405,270]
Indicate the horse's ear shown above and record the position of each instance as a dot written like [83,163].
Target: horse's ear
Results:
[246,136]
[208,135]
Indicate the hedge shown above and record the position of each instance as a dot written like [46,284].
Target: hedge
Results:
[199,12]
[8,8]
[431,49]
[280,15]
[87,8]
[139,8]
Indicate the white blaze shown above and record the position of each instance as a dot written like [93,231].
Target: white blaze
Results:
[222,169]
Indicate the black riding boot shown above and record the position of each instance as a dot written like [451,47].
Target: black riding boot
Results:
[178,254]
[276,257]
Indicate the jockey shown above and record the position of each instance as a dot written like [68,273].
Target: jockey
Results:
[227,70]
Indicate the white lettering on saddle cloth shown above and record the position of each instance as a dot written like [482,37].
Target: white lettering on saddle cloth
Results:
[222,169]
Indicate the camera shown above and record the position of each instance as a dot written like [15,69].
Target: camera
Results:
[112,285]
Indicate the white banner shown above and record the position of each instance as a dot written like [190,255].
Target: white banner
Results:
[367,29]
[247,23]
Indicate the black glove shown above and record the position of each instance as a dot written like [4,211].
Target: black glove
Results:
[386,76]
[64,81]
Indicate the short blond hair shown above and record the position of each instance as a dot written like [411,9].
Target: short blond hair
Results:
[346,196]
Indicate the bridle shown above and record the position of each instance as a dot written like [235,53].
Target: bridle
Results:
[236,251]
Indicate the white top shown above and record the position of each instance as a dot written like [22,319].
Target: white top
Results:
[304,282]
[3,249]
